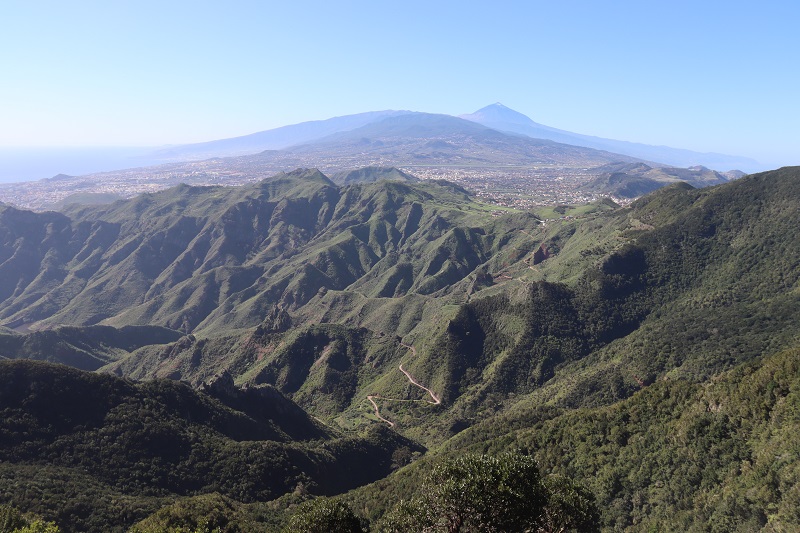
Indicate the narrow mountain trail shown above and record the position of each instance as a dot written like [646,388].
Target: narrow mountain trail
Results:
[372,397]
[436,400]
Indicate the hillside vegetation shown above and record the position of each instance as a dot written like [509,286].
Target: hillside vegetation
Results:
[574,312]
[631,180]
[714,456]
[94,452]
[627,348]
[87,348]
[195,258]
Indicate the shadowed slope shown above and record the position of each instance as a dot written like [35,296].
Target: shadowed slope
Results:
[67,433]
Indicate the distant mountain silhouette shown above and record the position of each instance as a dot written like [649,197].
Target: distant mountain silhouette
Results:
[432,139]
[408,124]
[502,118]
[274,139]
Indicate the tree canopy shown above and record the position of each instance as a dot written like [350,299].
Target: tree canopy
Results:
[483,493]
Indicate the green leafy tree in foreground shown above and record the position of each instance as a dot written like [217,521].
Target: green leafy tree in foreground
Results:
[12,521]
[324,515]
[481,493]
[208,513]
[39,526]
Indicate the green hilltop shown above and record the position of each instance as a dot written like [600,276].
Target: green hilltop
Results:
[371,174]
[631,180]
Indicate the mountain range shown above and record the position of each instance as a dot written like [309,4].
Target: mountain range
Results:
[502,118]
[647,351]
[274,139]
[508,168]
[495,116]
[413,139]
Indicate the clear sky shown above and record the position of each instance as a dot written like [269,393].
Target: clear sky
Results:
[711,75]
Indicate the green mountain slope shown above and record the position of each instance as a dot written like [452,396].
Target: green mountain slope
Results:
[94,452]
[219,258]
[574,312]
[710,280]
[371,174]
[717,456]
[87,348]
[632,180]
[493,305]
[412,306]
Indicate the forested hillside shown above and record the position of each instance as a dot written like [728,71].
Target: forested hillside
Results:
[715,456]
[647,352]
[94,452]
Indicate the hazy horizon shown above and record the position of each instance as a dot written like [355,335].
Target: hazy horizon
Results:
[20,164]
[709,77]
[31,163]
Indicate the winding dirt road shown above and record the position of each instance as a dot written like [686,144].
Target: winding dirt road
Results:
[372,397]
[436,400]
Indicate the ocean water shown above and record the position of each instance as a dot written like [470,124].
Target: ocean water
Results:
[30,164]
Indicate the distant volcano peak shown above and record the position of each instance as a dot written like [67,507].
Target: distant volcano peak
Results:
[498,112]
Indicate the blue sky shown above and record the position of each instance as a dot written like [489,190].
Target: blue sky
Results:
[708,76]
